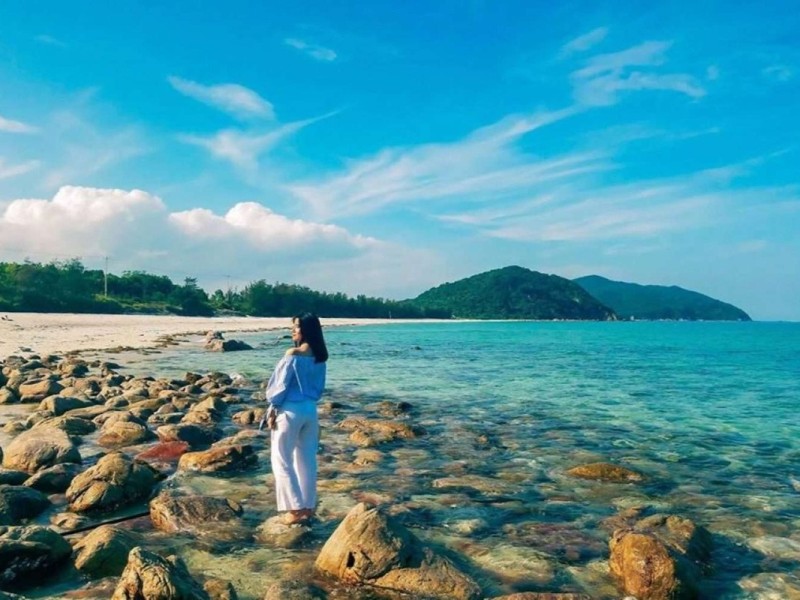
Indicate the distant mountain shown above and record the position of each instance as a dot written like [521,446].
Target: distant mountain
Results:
[631,300]
[514,293]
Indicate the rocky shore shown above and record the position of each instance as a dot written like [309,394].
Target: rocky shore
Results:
[138,487]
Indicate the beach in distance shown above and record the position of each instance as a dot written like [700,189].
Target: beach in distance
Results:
[57,332]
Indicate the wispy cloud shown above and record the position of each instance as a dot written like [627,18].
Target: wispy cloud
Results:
[10,126]
[49,40]
[244,148]
[779,73]
[482,166]
[8,171]
[313,50]
[234,99]
[584,42]
[605,76]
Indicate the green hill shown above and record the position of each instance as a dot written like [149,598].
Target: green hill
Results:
[631,300]
[514,293]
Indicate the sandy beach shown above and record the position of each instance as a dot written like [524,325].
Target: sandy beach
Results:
[48,333]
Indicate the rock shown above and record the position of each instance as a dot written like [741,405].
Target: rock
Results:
[222,458]
[114,481]
[8,396]
[292,590]
[104,551]
[124,433]
[195,435]
[163,453]
[39,448]
[369,432]
[370,548]
[58,404]
[27,554]
[200,515]
[36,390]
[543,596]
[275,532]
[148,575]
[218,589]
[55,479]
[18,502]
[486,485]
[72,426]
[605,472]
[249,416]
[68,521]
[11,477]
[217,345]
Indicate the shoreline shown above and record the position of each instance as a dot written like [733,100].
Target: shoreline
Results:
[54,333]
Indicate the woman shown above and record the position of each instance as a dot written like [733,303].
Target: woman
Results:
[293,390]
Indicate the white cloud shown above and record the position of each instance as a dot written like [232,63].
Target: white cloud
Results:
[482,166]
[605,76]
[584,42]
[136,230]
[314,51]
[8,171]
[231,98]
[50,40]
[9,126]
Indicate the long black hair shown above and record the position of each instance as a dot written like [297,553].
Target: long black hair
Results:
[311,330]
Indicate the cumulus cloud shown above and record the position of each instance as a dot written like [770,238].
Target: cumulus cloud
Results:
[605,76]
[137,231]
[232,98]
[10,126]
[313,50]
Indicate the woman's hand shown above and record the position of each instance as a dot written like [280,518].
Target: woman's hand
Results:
[272,418]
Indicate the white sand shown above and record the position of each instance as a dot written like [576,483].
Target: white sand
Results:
[48,333]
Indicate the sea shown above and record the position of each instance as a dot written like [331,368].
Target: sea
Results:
[706,412]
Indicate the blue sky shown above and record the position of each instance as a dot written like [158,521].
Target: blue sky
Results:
[386,147]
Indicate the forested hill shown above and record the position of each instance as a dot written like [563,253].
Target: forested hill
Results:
[514,293]
[631,300]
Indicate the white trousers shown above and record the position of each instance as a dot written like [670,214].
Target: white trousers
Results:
[293,453]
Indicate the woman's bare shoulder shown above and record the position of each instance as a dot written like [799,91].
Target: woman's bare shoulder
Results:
[301,350]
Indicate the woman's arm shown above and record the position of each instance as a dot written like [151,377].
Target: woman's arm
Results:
[279,381]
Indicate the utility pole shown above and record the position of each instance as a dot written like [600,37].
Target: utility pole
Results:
[105,280]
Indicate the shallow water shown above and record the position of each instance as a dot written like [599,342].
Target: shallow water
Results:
[706,411]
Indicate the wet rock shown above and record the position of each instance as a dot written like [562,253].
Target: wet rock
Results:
[59,404]
[104,551]
[370,432]
[72,426]
[249,416]
[769,586]
[8,396]
[55,479]
[543,596]
[124,433]
[292,590]
[163,453]
[12,477]
[217,345]
[69,521]
[18,502]
[648,564]
[371,548]
[27,554]
[776,547]
[485,485]
[114,481]
[277,533]
[39,448]
[73,368]
[193,514]
[149,575]
[36,390]
[218,589]
[510,562]
[605,472]
[195,435]
[223,458]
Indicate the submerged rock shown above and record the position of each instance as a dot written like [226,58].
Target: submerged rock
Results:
[149,575]
[222,458]
[104,552]
[28,553]
[605,472]
[199,515]
[371,548]
[18,502]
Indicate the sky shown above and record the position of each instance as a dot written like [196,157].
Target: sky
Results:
[383,148]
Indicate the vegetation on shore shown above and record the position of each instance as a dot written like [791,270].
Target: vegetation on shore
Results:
[658,302]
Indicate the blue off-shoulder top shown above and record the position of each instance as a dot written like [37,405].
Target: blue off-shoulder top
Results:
[296,379]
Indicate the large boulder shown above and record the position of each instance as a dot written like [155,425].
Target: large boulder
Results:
[370,548]
[55,479]
[59,404]
[104,552]
[195,435]
[195,514]
[222,458]
[114,481]
[8,396]
[18,502]
[124,433]
[660,558]
[148,575]
[36,390]
[27,554]
[39,448]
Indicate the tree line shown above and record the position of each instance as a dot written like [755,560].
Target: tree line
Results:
[67,286]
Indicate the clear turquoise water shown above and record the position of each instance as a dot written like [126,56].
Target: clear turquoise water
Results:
[707,411]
